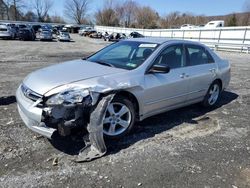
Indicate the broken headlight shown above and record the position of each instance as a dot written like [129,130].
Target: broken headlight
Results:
[69,96]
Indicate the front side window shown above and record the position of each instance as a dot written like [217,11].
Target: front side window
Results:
[172,56]
[126,54]
[198,55]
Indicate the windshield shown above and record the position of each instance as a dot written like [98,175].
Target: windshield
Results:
[45,32]
[126,54]
[64,33]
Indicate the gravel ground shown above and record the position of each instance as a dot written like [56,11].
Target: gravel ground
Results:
[189,147]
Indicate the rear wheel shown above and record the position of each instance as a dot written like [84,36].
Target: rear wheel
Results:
[213,95]
[119,118]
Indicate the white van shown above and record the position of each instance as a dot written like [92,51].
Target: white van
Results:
[215,24]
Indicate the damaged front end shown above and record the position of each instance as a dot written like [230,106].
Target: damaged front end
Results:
[73,108]
[68,109]
[82,109]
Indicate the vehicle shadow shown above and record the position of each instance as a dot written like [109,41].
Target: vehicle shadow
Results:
[48,41]
[145,129]
[7,100]
[166,121]
[71,41]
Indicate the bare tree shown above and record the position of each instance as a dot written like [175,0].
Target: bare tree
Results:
[42,8]
[147,18]
[3,10]
[17,6]
[176,19]
[76,10]
[30,16]
[7,4]
[130,9]
[13,9]
[108,15]
[57,19]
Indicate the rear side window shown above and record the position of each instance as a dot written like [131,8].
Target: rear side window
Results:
[3,29]
[197,55]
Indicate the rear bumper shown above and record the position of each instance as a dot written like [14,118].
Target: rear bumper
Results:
[45,38]
[32,115]
[64,39]
[5,35]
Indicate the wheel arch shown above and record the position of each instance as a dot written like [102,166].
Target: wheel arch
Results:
[131,97]
[220,82]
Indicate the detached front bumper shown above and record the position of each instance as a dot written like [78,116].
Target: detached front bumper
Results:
[32,115]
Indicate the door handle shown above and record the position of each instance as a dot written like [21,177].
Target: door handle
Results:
[212,70]
[184,75]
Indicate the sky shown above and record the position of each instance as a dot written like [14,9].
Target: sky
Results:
[163,7]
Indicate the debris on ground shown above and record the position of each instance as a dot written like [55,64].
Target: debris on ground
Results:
[55,161]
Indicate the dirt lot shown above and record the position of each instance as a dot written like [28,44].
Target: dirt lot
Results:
[174,149]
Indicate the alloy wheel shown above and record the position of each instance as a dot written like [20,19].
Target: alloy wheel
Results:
[117,119]
[214,93]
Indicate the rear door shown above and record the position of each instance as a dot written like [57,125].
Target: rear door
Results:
[201,70]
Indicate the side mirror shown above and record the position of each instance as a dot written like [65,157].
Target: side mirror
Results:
[159,69]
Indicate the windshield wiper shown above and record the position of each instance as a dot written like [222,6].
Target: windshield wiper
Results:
[104,63]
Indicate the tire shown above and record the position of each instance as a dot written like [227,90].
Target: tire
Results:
[213,95]
[112,127]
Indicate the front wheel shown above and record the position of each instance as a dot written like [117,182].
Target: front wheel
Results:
[213,95]
[119,118]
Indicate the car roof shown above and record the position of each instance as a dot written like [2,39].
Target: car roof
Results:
[161,40]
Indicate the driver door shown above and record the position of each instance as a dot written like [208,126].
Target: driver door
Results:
[167,90]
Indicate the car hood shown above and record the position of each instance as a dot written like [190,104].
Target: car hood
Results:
[44,80]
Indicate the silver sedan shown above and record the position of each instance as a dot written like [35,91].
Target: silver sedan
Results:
[146,76]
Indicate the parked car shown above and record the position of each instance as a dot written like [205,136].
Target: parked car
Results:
[135,35]
[45,35]
[6,32]
[57,29]
[97,35]
[89,31]
[201,26]
[15,30]
[105,34]
[84,30]
[64,36]
[47,27]
[114,37]
[81,31]
[36,28]
[188,26]
[143,77]
[21,26]
[26,34]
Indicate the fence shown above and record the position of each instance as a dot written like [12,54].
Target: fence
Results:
[226,38]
